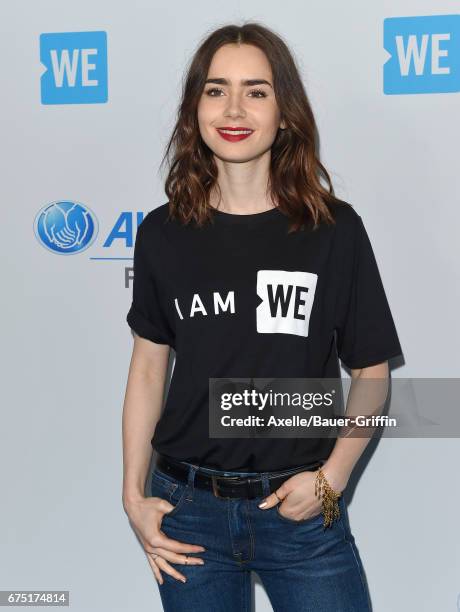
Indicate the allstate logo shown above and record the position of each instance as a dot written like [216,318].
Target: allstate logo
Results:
[66,227]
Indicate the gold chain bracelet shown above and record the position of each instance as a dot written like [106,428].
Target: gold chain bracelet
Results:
[331,510]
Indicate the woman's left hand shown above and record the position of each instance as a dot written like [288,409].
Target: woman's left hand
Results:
[297,495]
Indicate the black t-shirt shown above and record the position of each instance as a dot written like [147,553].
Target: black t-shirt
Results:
[197,290]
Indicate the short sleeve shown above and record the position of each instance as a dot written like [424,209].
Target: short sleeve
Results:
[147,316]
[366,333]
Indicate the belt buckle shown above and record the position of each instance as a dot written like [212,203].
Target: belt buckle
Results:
[214,485]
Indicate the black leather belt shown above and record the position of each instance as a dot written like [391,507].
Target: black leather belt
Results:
[247,487]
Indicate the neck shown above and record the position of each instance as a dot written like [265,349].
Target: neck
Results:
[243,186]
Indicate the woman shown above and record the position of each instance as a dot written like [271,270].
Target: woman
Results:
[251,269]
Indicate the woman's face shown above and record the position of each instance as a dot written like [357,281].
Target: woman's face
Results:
[228,101]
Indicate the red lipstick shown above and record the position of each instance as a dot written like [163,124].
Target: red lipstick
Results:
[239,133]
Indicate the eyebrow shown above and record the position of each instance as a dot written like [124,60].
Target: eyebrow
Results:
[246,82]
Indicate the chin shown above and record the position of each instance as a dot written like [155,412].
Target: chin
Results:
[235,159]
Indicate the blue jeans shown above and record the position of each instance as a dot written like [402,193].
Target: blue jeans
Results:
[303,567]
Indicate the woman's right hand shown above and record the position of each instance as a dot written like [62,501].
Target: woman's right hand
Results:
[145,515]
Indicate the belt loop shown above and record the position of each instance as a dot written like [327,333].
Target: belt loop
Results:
[191,481]
[265,484]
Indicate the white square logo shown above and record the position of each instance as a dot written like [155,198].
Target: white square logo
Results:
[287,301]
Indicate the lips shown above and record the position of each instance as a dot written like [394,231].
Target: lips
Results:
[234,134]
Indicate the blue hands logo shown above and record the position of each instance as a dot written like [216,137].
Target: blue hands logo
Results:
[424,54]
[75,66]
[65,227]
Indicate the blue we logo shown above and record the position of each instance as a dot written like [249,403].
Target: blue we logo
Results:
[424,54]
[75,68]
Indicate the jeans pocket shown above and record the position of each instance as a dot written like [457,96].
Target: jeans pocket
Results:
[169,488]
[311,519]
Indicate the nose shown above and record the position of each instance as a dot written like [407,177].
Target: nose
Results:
[235,106]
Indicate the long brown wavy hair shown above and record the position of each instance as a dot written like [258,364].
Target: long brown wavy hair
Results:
[295,169]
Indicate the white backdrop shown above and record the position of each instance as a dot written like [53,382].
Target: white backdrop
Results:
[66,345]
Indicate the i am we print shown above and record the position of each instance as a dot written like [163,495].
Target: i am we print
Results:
[286,302]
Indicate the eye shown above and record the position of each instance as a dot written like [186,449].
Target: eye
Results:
[210,91]
[259,91]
